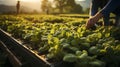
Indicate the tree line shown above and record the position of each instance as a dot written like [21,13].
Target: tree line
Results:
[61,6]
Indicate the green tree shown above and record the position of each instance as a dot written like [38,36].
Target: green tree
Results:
[46,6]
[60,4]
[75,8]
[68,5]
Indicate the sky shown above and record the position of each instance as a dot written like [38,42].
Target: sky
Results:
[35,4]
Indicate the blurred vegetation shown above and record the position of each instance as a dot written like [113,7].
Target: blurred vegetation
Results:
[47,7]
[61,6]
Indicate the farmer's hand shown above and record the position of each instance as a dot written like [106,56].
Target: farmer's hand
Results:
[90,22]
[93,20]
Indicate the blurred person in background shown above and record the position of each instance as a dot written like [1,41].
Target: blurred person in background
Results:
[18,7]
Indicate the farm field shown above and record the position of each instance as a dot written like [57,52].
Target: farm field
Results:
[66,39]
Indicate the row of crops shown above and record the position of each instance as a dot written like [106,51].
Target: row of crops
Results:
[66,39]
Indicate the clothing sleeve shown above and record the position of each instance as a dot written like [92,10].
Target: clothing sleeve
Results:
[110,7]
[94,7]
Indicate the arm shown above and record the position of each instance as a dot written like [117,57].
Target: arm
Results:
[111,6]
[93,20]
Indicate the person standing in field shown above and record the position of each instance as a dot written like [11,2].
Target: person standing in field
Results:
[112,6]
[18,7]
